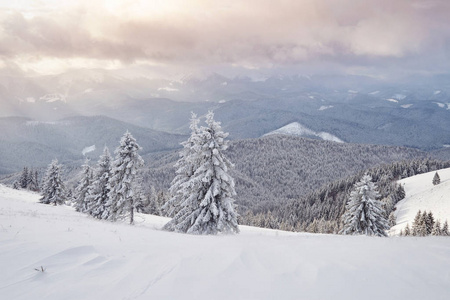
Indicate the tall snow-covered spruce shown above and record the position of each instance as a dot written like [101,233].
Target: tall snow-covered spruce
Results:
[206,197]
[185,168]
[364,213]
[53,191]
[82,189]
[99,190]
[124,170]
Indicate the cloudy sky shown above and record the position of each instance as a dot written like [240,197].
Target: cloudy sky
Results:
[353,36]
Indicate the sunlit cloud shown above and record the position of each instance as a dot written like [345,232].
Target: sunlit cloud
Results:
[249,34]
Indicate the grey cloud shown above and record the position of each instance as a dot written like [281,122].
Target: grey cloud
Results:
[257,32]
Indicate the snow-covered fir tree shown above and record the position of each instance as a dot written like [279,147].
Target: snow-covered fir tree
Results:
[23,180]
[124,170]
[82,189]
[185,168]
[53,191]
[364,213]
[99,190]
[392,220]
[16,185]
[34,182]
[436,179]
[444,230]
[416,223]
[437,228]
[207,205]
[407,231]
[429,222]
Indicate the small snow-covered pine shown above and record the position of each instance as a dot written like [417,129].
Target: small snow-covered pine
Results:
[82,189]
[99,190]
[364,213]
[124,171]
[436,179]
[34,182]
[23,180]
[53,191]
[207,205]
[392,220]
[429,222]
[444,230]
[437,228]
[407,230]
[185,168]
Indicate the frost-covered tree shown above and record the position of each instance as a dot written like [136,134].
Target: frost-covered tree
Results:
[124,170]
[444,230]
[99,190]
[82,189]
[53,191]
[416,223]
[407,230]
[392,219]
[16,185]
[437,228]
[207,204]
[185,168]
[364,213]
[429,222]
[34,182]
[436,179]
[23,180]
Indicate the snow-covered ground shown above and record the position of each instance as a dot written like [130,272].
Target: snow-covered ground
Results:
[296,128]
[85,258]
[422,195]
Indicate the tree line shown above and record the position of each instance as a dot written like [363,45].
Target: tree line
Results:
[202,193]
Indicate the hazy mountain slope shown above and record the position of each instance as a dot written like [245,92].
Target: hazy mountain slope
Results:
[32,143]
[79,254]
[357,109]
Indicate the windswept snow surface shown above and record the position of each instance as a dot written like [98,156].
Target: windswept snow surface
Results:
[422,194]
[85,258]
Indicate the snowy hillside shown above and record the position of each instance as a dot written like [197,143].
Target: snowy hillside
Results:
[85,258]
[422,195]
[296,128]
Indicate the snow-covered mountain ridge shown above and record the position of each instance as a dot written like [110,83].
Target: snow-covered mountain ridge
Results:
[422,195]
[83,258]
[298,129]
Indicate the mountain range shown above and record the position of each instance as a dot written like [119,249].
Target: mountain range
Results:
[413,112]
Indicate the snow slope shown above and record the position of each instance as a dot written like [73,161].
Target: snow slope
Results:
[296,128]
[91,259]
[422,194]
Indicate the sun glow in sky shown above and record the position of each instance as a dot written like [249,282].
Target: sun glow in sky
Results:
[50,36]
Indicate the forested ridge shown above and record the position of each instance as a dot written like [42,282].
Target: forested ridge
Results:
[321,210]
[273,170]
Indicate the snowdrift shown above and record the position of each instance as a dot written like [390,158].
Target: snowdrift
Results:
[85,258]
